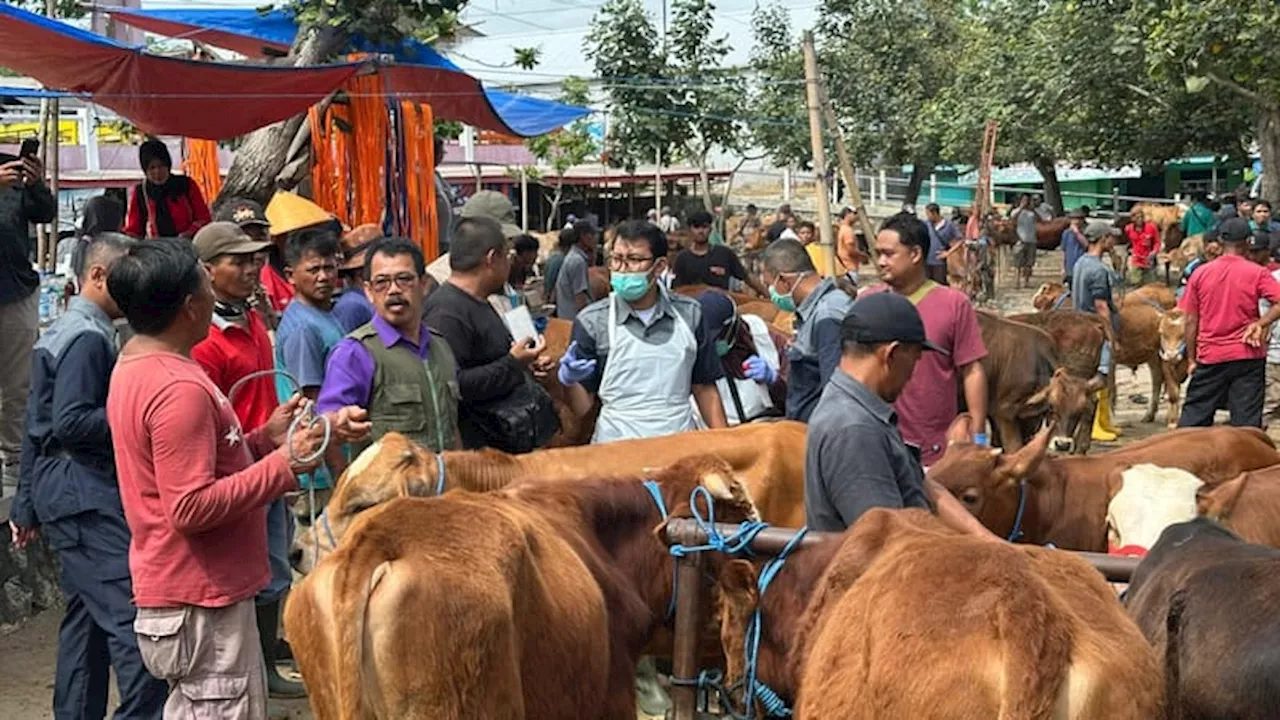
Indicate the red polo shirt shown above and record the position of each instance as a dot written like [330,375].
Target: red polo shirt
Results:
[232,352]
[1143,242]
[1224,294]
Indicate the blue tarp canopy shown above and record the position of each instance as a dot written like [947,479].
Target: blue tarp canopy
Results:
[258,34]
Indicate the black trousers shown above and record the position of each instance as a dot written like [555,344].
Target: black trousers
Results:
[1240,385]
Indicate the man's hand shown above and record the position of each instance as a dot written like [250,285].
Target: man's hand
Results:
[350,424]
[34,171]
[277,426]
[1191,368]
[524,354]
[305,443]
[542,368]
[21,536]
[1257,334]
[11,174]
[573,370]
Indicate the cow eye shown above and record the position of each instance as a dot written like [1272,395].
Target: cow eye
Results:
[970,497]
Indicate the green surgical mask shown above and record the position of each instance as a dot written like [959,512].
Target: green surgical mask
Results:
[630,286]
[785,303]
[722,348]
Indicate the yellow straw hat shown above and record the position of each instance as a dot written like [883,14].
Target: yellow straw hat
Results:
[288,212]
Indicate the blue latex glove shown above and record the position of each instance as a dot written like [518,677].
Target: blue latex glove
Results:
[757,369]
[574,369]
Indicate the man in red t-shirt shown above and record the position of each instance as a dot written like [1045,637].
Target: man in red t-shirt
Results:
[927,405]
[1226,340]
[195,486]
[237,347]
[1144,238]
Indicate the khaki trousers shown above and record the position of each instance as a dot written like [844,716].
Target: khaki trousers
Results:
[19,328]
[211,658]
[1271,410]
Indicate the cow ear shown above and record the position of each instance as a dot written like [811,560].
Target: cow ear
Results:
[724,486]
[1027,459]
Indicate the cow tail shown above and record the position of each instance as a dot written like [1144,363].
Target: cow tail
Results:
[1172,664]
[355,583]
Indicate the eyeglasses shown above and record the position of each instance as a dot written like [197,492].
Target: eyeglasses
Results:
[628,262]
[382,283]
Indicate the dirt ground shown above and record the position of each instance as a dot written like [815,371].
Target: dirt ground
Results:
[27,652]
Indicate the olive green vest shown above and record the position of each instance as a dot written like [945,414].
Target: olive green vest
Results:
[416,397]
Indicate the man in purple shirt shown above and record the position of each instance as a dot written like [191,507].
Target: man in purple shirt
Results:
[397,369]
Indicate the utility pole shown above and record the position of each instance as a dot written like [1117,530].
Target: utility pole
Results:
[819,153]
[846,167]
[47,240]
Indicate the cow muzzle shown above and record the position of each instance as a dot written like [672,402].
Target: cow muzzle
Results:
[1063,444]
[1174,355]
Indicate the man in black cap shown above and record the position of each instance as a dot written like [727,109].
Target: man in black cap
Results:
[1226,339]
[855,458]
[252,219]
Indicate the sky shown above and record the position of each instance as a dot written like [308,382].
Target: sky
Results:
[558,28]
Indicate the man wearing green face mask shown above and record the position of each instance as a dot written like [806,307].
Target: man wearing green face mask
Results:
[642,351]
[819,306]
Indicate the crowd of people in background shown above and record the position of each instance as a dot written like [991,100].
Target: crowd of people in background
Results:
[154,430]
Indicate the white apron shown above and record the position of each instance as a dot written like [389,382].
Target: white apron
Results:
[645,389]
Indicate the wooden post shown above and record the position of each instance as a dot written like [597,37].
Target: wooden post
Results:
[846,169]
[524,199]
[684,653]
[55,141]
[819,152]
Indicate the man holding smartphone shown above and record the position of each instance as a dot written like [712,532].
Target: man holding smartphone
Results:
[24,199]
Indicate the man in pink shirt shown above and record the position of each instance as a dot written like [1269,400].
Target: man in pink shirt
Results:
[1226,340]
[928,403]
[1144,239]
[195,487]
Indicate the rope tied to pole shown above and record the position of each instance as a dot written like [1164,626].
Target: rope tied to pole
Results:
[736,543]
[770,701]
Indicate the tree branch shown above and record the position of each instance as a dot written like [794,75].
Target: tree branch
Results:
[1239,89]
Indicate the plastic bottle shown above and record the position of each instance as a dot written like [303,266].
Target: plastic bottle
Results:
[980,439]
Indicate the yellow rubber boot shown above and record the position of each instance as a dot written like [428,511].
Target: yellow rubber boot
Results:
[1102,419]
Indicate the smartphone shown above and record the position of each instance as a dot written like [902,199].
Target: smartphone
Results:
[29,148]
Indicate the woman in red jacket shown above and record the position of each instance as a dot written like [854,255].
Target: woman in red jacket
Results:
[164,205]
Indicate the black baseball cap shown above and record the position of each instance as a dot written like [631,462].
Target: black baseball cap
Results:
[243,212]
[885,317]
[1260,240]
[1234,230]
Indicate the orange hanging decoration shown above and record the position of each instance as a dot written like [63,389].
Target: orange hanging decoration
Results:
[201,165]
[418,175]
[371,138]
[331,161]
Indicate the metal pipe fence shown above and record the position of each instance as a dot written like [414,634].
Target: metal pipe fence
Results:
[767,543]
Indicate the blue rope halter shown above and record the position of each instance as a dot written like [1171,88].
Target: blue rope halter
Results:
[769,699]
[1016,533]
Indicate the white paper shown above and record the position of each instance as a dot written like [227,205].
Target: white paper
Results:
[520,323]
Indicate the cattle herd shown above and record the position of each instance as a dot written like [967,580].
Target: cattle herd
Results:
[475,584]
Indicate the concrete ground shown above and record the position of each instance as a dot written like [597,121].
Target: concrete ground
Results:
[27,651]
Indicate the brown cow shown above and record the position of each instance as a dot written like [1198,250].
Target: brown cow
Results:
[1248,504]
[1138,343]
[1048,294]
[1207,602]
[1003,231]
[739,298]
[1065,498]
[1173,361]
[1078,337]
[1019,364]
[531,602]
[769,457]
[574,430]
[901,617]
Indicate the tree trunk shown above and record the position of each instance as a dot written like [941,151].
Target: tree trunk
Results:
[723,219]
[1269,149]
[920,170]
[553,218]
[1052,190]
[262,157]
[706,181]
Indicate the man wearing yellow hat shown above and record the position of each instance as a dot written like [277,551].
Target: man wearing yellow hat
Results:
[286,213]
